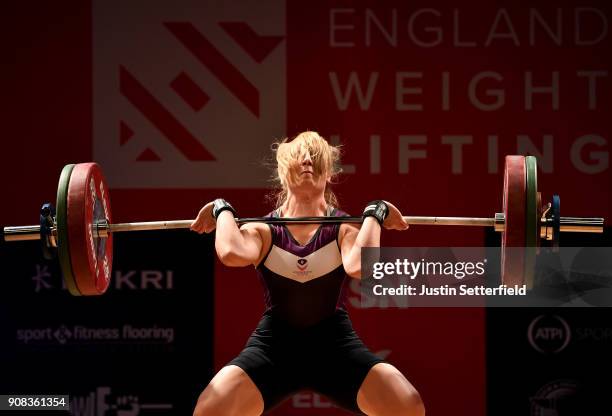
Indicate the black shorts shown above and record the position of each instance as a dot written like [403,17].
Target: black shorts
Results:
[328,358]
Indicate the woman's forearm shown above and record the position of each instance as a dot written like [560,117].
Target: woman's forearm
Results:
[368,236]
[228,238]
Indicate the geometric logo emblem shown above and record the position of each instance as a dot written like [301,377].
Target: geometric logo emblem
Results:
[187,94]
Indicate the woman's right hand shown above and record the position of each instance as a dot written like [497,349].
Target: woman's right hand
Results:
[204,222]
[395,220]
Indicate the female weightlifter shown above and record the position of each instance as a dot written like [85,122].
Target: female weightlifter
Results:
[304,339]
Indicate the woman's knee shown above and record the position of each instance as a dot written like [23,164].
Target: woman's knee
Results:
[410,404]
[225,404]
[212,403]
[400,400]
[207,406]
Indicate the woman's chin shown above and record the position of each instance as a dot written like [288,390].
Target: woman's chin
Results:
[307,186]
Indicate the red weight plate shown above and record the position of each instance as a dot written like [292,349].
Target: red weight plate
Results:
[513,259]
[89,202]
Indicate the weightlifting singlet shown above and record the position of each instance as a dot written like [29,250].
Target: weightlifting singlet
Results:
[305,339]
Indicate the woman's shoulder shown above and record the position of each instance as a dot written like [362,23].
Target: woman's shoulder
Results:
[337,212]
[344,227]
[263,227]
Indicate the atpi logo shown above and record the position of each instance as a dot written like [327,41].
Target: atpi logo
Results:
[302,264]
[549,334]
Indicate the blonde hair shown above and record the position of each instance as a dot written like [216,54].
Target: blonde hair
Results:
[325,159]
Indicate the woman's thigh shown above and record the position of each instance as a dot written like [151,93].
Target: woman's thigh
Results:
[230,392]
[385,391]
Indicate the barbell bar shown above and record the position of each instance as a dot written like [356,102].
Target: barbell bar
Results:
[82,227]
[103,228]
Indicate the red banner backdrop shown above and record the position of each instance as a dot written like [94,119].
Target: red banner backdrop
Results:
[179,103]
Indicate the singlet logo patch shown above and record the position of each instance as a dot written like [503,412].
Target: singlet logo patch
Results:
[302,264]
[301,272]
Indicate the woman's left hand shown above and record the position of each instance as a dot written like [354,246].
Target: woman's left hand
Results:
[395,220]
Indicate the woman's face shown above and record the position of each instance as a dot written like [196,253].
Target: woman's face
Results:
[307,175]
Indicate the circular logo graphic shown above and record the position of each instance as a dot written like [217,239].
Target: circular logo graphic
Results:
[555,398]
[549,334]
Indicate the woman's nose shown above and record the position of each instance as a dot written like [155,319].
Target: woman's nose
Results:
[307,160]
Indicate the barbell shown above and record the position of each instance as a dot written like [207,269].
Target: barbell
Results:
[81,230]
